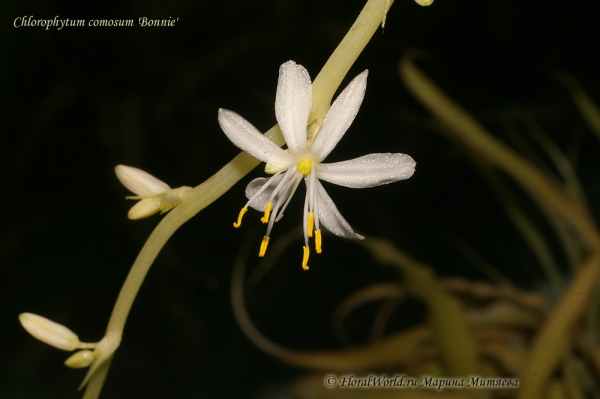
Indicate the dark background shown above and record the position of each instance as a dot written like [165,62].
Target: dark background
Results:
[77,102]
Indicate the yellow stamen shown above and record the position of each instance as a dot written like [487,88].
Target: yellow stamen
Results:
[240,216]
[265,219]
[305,166]
[318,241]
[310,224]
[263,246]
[305,258]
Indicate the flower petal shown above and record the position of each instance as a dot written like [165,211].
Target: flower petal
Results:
[368,171]
[340,116]
[330,217]
[139,182]
[248,138]
[260,202]
[292,104]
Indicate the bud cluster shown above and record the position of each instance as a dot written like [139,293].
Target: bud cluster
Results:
[60,337]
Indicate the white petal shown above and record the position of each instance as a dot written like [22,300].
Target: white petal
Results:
[260,202]
[368,171]
[340,116]
[292,104]
[248,138]
[330,217]
[139,182]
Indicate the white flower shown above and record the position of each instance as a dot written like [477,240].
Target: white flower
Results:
[154,195]
[304,157]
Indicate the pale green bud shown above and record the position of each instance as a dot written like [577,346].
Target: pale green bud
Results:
[140,182]
[81,359]
[424,2]
[49,332]
[144,208]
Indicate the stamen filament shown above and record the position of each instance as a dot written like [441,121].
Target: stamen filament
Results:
[305,258]
[311,223]
[274,214]
[318,241]
[305,221]
[265,219]
[263,246]
[289,198]
[240,216]
[312,188]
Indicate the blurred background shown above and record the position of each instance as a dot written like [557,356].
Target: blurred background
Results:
[78,101]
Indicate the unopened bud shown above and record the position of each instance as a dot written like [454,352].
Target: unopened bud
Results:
[140,182]
[146,207]
[154,195]
[424,2]
[81,359]
[49,332]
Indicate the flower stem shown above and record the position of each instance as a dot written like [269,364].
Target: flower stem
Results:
[344,56]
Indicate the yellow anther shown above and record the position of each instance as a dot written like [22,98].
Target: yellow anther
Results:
[318,241]
[240,216]
[310,223]
[305,166]
[263,246]
[265,219]
[305,258]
